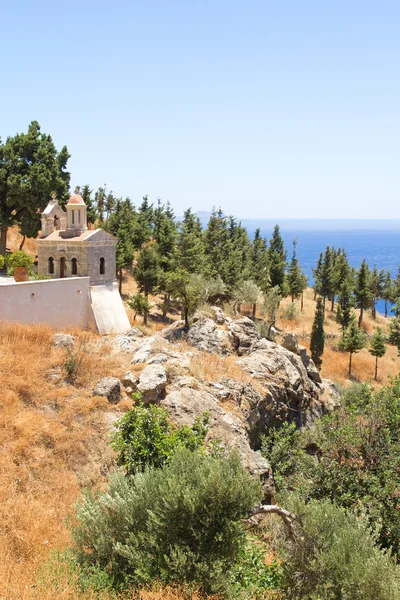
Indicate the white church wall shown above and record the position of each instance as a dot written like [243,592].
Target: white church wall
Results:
[56,302]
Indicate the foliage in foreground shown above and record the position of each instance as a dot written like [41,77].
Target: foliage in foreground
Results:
[356,462]
[337,557]
[146,437]
[178,523]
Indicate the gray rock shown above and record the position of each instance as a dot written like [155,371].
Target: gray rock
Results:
[110,387]
[218,315]
[158,359]
[173,332]
[288,392]
[184,405]
[244,335]
[205,335]
[185,381]
[130,380]
[152,382]
[290,343]
[129,339]
[309,364]
[63,340]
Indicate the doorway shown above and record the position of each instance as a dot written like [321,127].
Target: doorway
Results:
[63,268]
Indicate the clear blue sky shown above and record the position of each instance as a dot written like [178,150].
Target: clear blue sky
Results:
[267,108]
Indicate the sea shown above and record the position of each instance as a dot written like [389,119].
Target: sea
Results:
[378,241]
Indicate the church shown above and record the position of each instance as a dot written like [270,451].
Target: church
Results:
[67,248]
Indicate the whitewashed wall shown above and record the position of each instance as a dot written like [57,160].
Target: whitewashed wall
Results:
[56,302]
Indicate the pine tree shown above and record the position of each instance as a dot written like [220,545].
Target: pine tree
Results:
[377,347]
[146,272]
[218,245]
[121,224]
[317,334]
[259,261]
[295,279]
[166,249]
[388,291]
[277,260]
[341,273]
[317,274]
[100,200]
[144,224]
[345,305]
[376,285]
[362,290]
[109,204]
[86,194]
[394,336]
[353,341]
[190,249]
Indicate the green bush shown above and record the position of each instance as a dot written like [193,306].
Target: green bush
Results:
[178,523]
[19,259]
[252,577]
[2,261]
[337,557]
[146,437]
[290,312]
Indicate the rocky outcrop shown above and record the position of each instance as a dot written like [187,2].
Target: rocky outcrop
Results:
[290,343]
[110,387]
[244,335]
[186,404]
[129,339]
[289,394]
[205,335]
[152,382]
[63,340]
[218,315]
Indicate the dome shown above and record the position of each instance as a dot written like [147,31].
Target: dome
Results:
[75,199]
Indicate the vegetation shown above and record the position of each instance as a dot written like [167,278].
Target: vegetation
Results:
[377,348]
[19,259]
[317,334]
[353,341]
[185,515]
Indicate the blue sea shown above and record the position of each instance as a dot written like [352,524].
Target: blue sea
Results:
[378,241]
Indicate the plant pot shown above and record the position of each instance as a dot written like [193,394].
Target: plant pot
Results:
[21,273]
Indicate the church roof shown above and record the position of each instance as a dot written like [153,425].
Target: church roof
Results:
[95,235]
[75,199]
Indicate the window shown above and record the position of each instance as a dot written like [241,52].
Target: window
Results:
[102,266]
[50,268]
[72,217]
[79,216]
[56,223]
[74,269]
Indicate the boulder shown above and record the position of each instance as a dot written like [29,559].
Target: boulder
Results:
[184,405]
[290,343]
[158,359]
[110,387]
[244,335]
[309,364]
[63,340]
[205,335]
[146,347]
[288,394]
[174,331]
[152,382]
[129,339]
[218,315]
[130,380]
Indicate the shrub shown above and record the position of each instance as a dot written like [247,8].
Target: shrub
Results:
[2,261]
[252,576]
[19,259]
[336,557]
[146,437]
[178,523]
[290,312]
[139,304]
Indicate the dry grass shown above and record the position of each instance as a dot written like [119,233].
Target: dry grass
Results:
[53,441]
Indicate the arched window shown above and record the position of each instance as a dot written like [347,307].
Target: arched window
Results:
[50,267]
[102,266]
[56,223]
[74,269]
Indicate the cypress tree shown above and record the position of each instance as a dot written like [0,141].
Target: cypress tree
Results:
[345,314]
[394,336]
[277,260]
[86,194]
[377,347]
[218,245]
[388,291]
[259,260]
[121,224]
[296,280]
[166,249]
[146,272]
[353,341]
[362,290]
[100,200]
[317,334]
[376,285]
